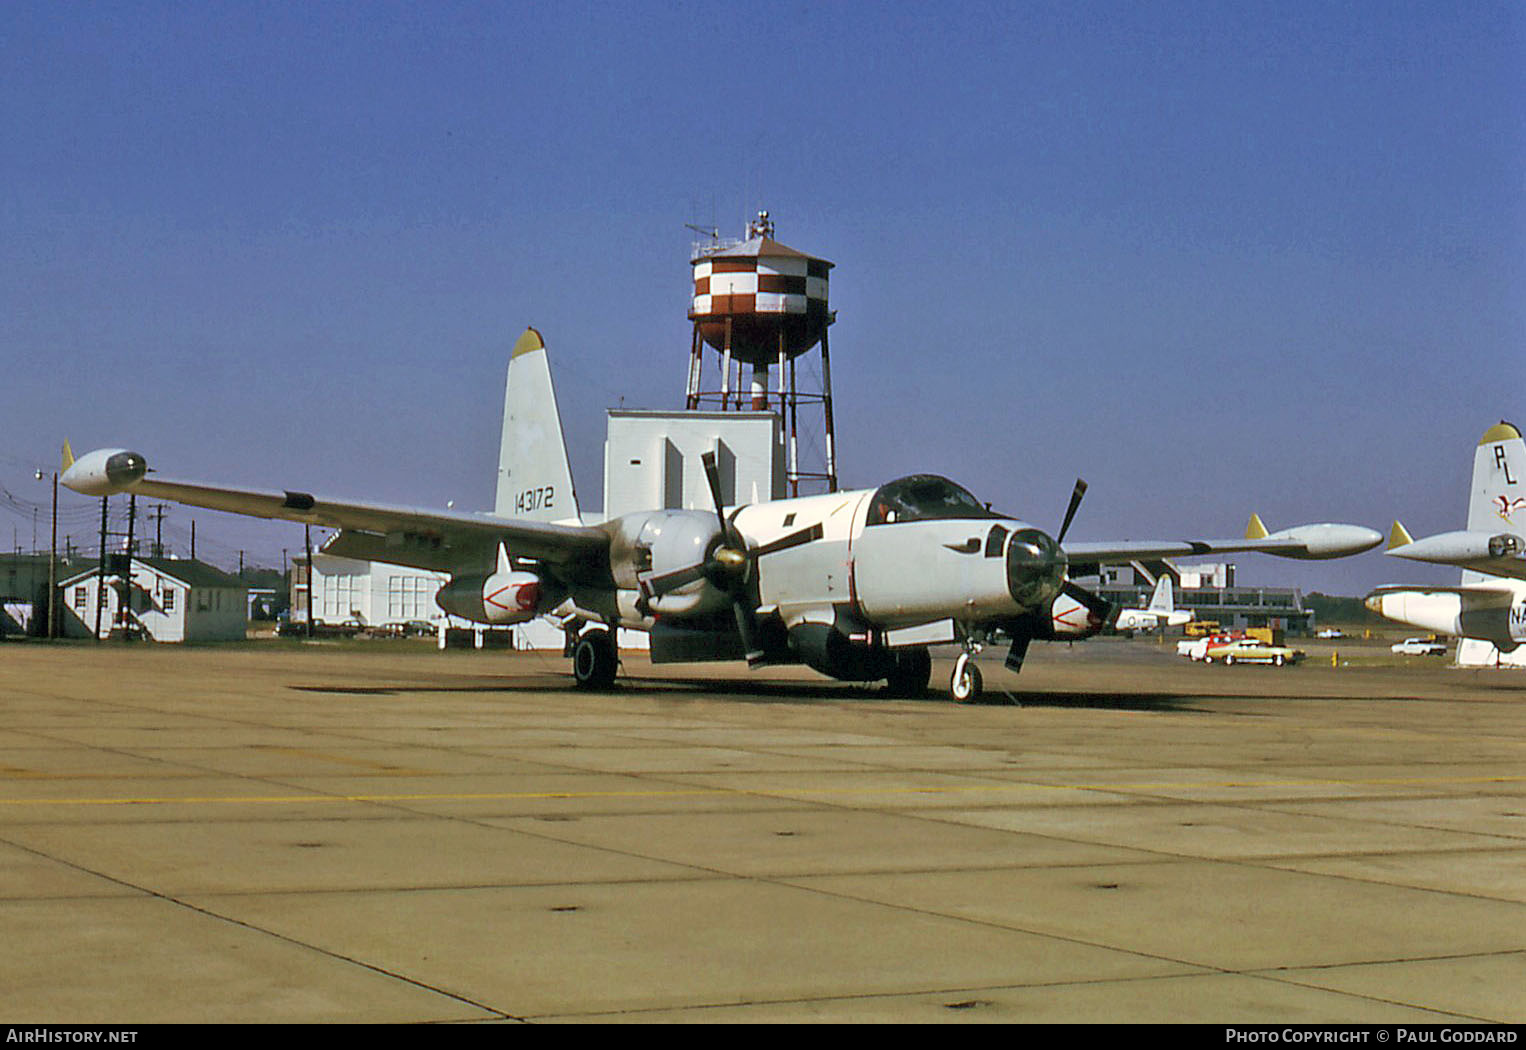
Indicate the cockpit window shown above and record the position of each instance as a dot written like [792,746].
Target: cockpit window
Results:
[923,497]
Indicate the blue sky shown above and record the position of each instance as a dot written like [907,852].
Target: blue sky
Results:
[1214,258]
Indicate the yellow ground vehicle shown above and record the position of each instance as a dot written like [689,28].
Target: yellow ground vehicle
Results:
[1199,628]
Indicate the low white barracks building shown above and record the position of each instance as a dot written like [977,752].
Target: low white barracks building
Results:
[171,599]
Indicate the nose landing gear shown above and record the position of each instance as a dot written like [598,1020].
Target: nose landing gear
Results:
[966,686]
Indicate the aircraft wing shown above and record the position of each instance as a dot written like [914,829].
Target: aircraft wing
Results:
[1489,553]
[432,539]
[1309,542]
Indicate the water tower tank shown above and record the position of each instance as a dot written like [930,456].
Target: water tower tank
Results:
[761,296]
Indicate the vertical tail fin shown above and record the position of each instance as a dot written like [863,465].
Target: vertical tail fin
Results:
[534,477]
[1163,600]
[1498,498]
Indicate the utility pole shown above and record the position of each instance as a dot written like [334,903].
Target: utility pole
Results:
[157,513]
[100,576]
[52,559]
[124,604]
[53,567]
[307,542]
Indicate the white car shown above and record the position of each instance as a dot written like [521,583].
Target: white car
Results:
[1331,632]
[1419,647]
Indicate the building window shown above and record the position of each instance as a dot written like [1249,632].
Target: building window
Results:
[169,600]
[410,597]
[81,597]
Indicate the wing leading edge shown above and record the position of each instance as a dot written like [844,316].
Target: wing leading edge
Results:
[431,539]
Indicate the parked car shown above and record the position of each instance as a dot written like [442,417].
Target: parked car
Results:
[1253,651]
[1331,632]
[1197,648]
[1419,647]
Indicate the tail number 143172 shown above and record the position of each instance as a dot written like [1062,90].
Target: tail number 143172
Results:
[531,500]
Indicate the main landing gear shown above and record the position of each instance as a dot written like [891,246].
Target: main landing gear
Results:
[595,659]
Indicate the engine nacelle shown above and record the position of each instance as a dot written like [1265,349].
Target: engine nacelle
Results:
[498,598]
[1068,621]
[1494,618]
[676,540]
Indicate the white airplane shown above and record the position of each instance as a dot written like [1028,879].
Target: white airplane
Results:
[1489,605]
[855,584]
[1161,612]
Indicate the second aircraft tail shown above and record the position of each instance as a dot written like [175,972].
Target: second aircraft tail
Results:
[1497,498]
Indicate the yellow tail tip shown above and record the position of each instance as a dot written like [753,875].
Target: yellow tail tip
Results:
[68,456]
[528,343]
[1255,530]
[1399,536]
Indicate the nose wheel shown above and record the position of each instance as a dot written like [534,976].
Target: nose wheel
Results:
[965,686]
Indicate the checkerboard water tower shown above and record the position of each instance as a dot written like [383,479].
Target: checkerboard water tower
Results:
[762,306]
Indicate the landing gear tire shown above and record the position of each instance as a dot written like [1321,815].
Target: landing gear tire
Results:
[966,685]
[595,660]
[912,671]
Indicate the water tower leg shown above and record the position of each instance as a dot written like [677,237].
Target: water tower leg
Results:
[696,367]
[826,391]
[782,361]
[794,430]
[726,368]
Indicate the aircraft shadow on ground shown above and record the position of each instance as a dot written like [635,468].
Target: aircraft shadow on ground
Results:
[785,693]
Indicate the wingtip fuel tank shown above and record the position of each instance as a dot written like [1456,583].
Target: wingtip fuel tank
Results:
[105,471]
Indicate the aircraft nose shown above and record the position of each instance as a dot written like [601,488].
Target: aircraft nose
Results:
[1035,568]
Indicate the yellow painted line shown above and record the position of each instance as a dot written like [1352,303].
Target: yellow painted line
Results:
[783,792]
[342,760]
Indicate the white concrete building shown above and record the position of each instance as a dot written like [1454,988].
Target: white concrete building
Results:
[368,593]
[652,459]
[171,600]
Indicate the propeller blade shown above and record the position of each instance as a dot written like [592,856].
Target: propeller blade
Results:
[1070,512]
[783,543]
[747,627]
[1018,652]
[713,478]
[1095,603]
[671,581]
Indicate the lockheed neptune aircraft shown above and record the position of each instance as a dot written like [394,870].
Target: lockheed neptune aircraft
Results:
[1490,603]
[855,584]
[1161,612]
